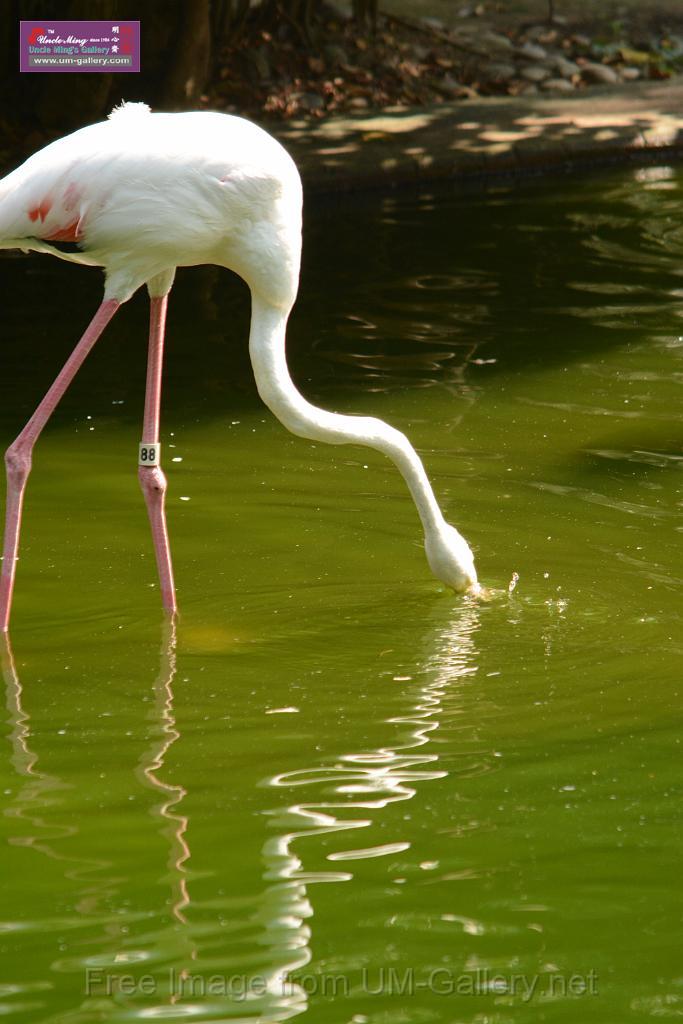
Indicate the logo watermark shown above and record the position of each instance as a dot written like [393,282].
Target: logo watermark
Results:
[79,46]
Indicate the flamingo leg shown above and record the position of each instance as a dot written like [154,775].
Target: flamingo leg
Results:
[152,478]
[18,455]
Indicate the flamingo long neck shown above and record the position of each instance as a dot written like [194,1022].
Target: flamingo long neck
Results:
[276,388]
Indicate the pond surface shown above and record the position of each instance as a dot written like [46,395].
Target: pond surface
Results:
[340,790]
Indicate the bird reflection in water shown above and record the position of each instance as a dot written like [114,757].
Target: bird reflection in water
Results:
[38,794]
[39,789]
[174,824]
[365,781]
[278,949]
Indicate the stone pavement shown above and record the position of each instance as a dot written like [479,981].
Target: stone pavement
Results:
[478,139]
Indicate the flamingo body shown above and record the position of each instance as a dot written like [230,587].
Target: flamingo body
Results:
[142,194]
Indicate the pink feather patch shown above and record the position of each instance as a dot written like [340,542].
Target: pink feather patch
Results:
[41,211]
[70,233]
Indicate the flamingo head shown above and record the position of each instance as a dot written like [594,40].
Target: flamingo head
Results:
[451,560]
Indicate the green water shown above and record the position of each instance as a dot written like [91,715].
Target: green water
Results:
[341,791]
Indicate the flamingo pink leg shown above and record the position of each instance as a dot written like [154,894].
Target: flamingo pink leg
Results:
[152,479]
[18,455]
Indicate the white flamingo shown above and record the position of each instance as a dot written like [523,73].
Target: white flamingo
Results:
[141,194]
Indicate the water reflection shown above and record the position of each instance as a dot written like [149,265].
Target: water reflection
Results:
[173,824]
[640,229]
[364,781]
[35,829]
[420,334]
[38,789]
[183,955]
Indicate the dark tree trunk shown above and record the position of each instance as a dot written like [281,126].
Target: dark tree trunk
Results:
[365,13]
